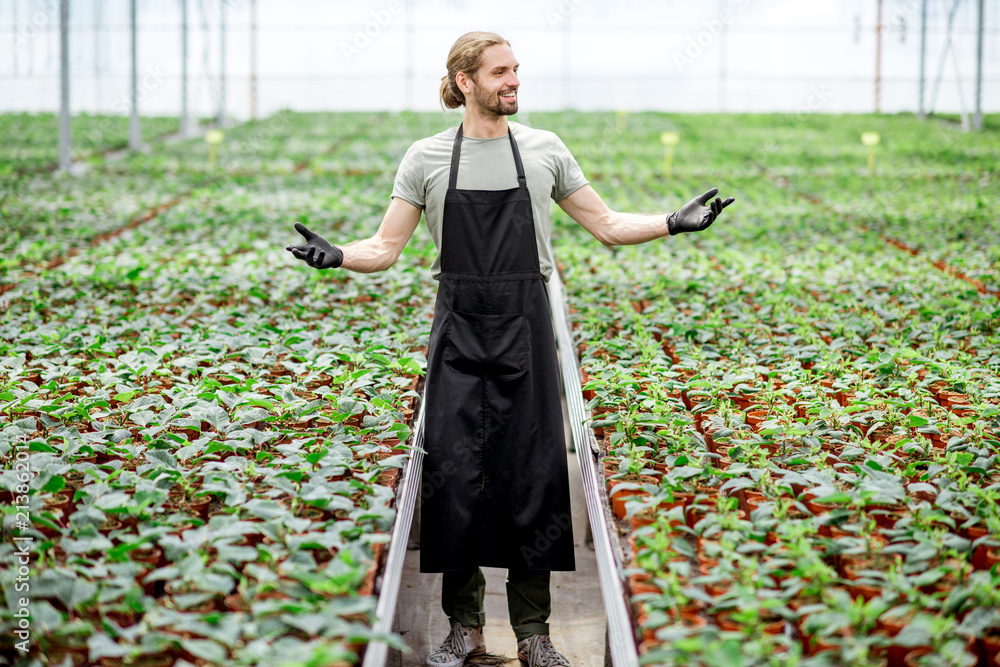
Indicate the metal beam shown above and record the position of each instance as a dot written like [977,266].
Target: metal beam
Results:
[65,132]
[134,128]
[878,60]
[921,111]
[621,639]
[409,487]
[977,121]
[411,52]
[253,59]
[221,120]
[185,110]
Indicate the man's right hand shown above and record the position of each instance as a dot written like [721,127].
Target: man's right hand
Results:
[317,252]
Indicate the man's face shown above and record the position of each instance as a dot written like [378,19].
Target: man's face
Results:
[494,87]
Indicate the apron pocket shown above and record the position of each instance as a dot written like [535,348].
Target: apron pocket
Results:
[487,345]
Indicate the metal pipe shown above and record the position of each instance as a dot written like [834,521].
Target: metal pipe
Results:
[14,42]
[98,21]
[977,121]
[65,132]
[621,639]
[253,59]
[221,120]
[185,111]
[878,59]
[385,608]
[134,128]
[921,112]
[411,52]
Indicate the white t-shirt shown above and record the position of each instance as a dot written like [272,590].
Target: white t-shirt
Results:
[488,164]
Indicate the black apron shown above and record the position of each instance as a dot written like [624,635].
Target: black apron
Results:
[495,488]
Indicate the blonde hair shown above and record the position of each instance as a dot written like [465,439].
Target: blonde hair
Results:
[466,55]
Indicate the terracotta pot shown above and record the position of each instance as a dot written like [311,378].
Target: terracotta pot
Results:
[152,556]
[772,625]
[755,418]
[642,583]
[618,500]
[991,558]
[892,625]
[109,525]
[989,649]
[62,501]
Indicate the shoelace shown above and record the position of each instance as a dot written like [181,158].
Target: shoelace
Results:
[545,653]
[454,644]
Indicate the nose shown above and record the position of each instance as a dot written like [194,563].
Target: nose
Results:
[513,81]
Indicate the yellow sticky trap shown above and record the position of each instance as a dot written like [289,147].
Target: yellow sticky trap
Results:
[669,139]
[214,138]
[870,139]
[622,116]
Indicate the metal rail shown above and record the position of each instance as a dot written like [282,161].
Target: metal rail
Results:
[376,654]
[621,640]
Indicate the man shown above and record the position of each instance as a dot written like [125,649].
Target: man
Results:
[495,488]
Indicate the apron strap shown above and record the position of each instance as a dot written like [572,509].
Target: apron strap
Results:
[456,154]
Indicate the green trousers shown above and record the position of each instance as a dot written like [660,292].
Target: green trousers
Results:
[528,600]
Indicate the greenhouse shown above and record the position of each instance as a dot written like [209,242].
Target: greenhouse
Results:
[320,346]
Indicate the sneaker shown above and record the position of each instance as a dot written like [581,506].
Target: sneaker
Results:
[460,644]
[538,651]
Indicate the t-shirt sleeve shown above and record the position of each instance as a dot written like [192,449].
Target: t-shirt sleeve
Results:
[409,183]
[569,176]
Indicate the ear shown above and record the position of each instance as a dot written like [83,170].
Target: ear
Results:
[464,83]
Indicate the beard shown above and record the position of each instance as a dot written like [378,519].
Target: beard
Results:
[492,103]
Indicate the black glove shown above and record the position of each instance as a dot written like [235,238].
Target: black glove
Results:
[316,251]
[694,216]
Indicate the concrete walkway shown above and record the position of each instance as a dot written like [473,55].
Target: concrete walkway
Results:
[577,624]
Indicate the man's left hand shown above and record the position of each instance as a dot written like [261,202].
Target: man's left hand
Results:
[695,216]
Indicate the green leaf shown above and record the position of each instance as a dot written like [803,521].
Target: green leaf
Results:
[206,649]
[54,485]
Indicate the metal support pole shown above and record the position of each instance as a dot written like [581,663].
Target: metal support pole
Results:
[722,55]
[411,52]
[14,4]
[921,112]
[221,120]
[977,121]
[253,59]
[98,21]
[878,60]
[134,128]
[566,72]
[185,110]
[65,134]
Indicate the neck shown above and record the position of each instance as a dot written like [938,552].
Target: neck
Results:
[478,125]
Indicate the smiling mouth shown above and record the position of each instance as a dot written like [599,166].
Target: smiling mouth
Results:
[509,95]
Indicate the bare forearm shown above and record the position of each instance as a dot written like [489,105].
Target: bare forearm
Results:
[369,255]
[382,250]
[631,228]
